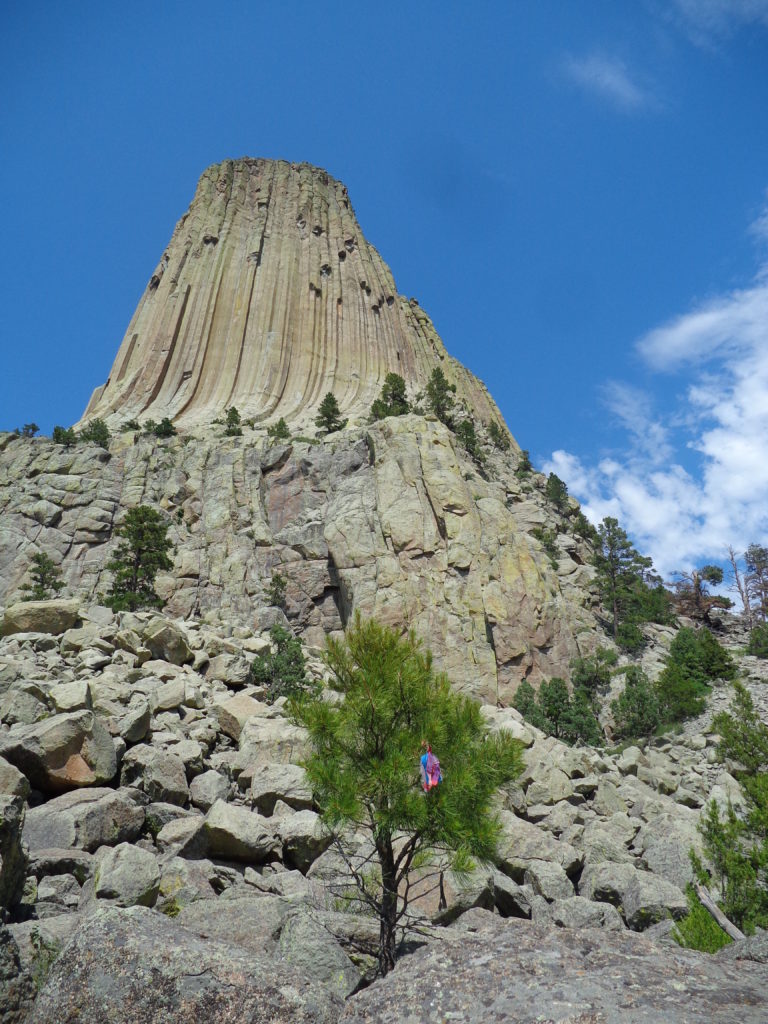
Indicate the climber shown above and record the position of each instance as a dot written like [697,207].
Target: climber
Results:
[431,775]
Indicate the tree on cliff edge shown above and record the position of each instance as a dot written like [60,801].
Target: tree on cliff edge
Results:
[137,561]
[329,415]
[363,766]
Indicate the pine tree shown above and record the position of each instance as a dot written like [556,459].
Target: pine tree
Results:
[97,432]
[363,766]
[276,590]
[329,415]
[636,711]
[137,561]
[756,559]
[64,435]
[621,571]
[439,394]
[498,437]
[557,492]
[465,432]
[45,578]
[393,400]
[692,595]
[279,430]
[233,428]
[165,428]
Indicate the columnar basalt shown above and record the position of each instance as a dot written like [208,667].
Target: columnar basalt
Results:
[267,297]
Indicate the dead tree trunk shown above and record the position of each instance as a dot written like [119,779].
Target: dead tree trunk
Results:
[709,905]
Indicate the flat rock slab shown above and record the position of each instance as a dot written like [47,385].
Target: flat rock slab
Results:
[138,967]
[521,973]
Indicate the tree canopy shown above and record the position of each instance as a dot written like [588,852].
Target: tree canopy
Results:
[363,766]
[138,559]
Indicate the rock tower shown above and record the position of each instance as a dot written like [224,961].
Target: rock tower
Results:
[267,297]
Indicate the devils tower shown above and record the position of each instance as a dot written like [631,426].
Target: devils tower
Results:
[267,297]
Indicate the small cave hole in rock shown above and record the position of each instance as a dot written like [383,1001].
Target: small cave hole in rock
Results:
[342,255]
[350,244]
[210,239]
[317,231]
[325,270]
[301,223]
[390,300]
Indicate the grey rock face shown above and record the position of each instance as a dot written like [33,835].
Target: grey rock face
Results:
[101,976]
[239,834]
[158,773]
[167,642]
[206,789]
[522,972]
[17,990]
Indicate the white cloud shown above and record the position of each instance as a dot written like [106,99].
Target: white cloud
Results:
[681,516]
[708,20]
[609,79]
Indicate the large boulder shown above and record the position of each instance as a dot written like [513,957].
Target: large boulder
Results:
[85,819]
[521,843]
[62,752]
[54,616]
[128,875]
[126,966]
[167,642]
[490,969]
[17,989]
[286,782]
[239,834]
[13,857]
[12,781]
[158,773]
[304,839]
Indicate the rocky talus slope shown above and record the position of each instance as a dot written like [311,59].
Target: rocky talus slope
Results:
[155,822]
[393,519]
[267,297]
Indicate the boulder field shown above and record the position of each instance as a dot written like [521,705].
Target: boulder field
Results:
[155,818]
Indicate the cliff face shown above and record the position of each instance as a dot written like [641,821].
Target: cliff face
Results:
[267,297]
[393,519]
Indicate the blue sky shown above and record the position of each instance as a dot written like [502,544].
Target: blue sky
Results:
[575,192]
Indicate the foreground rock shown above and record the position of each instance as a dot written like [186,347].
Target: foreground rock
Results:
[13,859]
[62,752]
[136,966]
[513,971]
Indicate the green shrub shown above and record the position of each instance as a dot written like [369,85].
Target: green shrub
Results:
[282,670]
[558,713]
[698,929]
[556,492]
[131,425]
[758,641]
[97,432]
[629,637]
[547,537]
[524,467]
[499,439]
[276,590]
[65,436]
[465,432]
[393,400]
[636,711]
[279,430]
[46,580]
[593,673]
[165,428]
[439,396]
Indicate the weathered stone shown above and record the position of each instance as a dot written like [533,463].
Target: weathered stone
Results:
[239,834]
[606,882]
[521,843]
[101,976]
[167,642]
[304,839]
[306,945]
[206,789]
[231,669]
[548,786]
[86,819]
[286,782]
[648,899]
[578,912]
[13,857]
[62,752]
[12,781]
[17,989]
[234,712]
[158,773]
[133,726]
[170,695]
[54,616]
[53,861]
[128,875]
[548,880]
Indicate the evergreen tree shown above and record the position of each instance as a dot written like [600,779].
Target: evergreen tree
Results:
[593,673]
[558,713]
[557,492]
[758,641]
[580,721]
[363,766]
[439,394]
[525,702]
[137,561]
[621,572]
[97,432]
[282,670]
[28,430]
[165,428]
[233,428]
[329,415]
[393,400]
[736,847]
[499,438]
[277,589]
[524,466]
[465,432]
[64,435]
[45,578]
[279,430]
[636,711]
